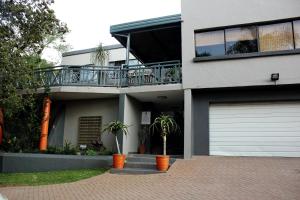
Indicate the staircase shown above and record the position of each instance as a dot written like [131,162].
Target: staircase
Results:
[140,164]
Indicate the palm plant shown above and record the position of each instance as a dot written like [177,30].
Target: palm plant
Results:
[115,128]
[100,55]
[166,124]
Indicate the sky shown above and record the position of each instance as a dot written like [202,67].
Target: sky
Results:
[89,20]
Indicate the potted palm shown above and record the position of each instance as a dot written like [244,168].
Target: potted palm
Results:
[115,128]
[166,125]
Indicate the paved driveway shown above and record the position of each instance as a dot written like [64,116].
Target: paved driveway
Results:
[207,178]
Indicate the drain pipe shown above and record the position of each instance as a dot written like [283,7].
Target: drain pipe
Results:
[1,125]
[45,124]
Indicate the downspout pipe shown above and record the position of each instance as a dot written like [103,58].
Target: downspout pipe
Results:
[1,125]
[45,124]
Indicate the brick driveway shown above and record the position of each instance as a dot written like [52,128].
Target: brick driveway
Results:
[207,178]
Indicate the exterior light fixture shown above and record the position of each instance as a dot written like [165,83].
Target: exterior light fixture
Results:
[162,97]
[275,77]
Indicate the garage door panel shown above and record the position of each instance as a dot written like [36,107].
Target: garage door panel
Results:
[259,133]
[256,148]
[259,129]
[255,139]
[261,153]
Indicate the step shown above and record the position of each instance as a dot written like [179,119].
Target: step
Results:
[143,165]
[151,155]
[145,159]
[134,171]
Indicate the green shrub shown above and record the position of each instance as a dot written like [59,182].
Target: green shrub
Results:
[91,152]
[68,149]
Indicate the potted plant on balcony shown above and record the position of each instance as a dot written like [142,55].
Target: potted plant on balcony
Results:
[166,125]
[116,128]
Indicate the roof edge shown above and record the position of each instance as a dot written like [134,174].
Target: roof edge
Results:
[145,23]
[90,50]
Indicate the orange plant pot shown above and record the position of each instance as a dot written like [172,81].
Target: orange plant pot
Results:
[118,161]
[142,149]
[162,162]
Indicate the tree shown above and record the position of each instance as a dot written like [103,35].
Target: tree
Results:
[115,128]
[24,27]
[166,125]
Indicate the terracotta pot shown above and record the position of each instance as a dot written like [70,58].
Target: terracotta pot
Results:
[162,162]
[142,149]
[118,161]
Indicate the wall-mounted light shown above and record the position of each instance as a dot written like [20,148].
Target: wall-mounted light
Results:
[162,97]
[275,77]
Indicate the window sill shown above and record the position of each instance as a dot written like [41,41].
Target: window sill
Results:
[248,55]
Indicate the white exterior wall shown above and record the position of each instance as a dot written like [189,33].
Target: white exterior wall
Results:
[106,108]
[87,58]
[201,14]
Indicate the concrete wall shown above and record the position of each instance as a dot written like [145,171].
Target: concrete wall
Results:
[107,108]
[87,58]
[132,117]
[27,162]
[56,135]
[201,14]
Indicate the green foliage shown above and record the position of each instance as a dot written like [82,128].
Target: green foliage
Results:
[143,134]
[24,27]
[91,152]
[69,149]
[45,178]
[116,127]
[100,55]
[165,124]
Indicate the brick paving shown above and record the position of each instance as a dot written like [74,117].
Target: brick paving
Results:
[203,177]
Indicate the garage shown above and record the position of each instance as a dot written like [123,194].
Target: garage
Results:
[255,129]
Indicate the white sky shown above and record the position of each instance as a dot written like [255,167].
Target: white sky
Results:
[89,20]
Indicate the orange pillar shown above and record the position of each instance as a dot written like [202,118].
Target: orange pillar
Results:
[1,125]
[45,124]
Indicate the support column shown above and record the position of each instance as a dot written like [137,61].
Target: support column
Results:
[1,125]
[188,124]
[128,49]
[45,124]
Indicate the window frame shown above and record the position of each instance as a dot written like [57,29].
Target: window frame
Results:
[247,55]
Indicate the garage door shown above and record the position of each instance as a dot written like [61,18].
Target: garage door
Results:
[255,129]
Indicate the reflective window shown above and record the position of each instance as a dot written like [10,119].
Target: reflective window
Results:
[210,43]
[276,37]
[297,33]
[241,40]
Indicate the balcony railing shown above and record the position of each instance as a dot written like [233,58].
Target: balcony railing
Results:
[133,75]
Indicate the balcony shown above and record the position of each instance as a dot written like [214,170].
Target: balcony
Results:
[134,75]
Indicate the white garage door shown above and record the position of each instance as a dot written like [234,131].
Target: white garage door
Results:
[255,129]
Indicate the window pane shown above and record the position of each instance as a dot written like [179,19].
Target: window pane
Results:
[241,40]
[297,33]
[210,43]
[276,37]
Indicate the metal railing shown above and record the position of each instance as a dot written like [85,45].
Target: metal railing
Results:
[133,75]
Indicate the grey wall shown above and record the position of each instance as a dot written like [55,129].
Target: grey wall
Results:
[132,117]
[201,14]
[21,162]
[56,135]
[203,98]
[107,108]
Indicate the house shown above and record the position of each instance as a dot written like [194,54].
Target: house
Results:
[228,71]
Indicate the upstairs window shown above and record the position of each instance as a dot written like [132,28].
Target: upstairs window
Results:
[252,39]
[276,37]
[297,34]
[210,44]
[241,40]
